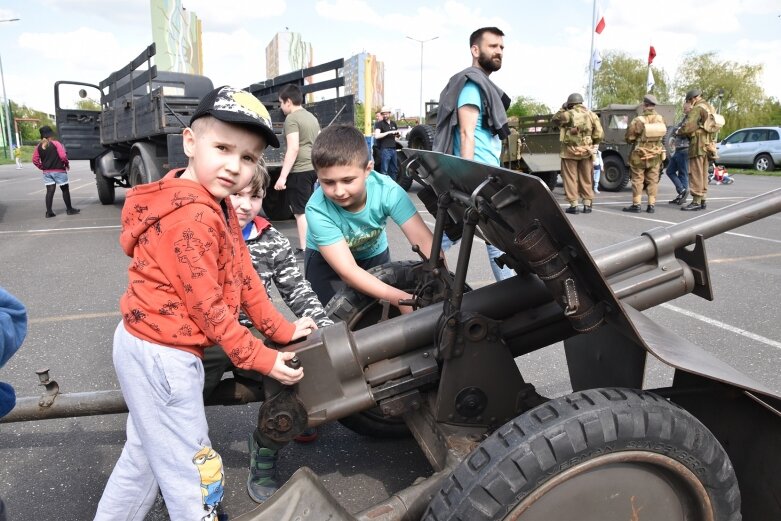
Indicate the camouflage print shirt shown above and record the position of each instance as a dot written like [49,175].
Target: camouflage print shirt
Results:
[274,260]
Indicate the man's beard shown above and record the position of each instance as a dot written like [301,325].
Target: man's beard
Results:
[488,64]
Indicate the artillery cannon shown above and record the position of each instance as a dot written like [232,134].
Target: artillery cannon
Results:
[609,450]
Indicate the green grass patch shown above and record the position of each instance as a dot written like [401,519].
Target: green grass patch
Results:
[748,171]
[27,155]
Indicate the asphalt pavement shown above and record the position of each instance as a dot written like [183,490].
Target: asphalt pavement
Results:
[70,272]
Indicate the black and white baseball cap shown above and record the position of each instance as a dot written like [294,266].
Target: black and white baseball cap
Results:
[232,105]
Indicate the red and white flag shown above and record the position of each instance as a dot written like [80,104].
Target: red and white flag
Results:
[600,20]
[651,55]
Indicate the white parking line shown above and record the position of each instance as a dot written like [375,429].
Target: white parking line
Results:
[722,325]
[49,230]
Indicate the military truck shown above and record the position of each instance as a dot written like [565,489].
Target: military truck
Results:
[533,144]
[129,126]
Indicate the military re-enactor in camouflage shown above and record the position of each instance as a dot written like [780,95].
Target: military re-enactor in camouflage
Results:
[646,132]
[580,130]
[274,260]
[699,141]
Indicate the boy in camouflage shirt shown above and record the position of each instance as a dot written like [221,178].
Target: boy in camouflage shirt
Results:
[274,260]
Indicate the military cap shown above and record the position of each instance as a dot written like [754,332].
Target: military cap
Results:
[693,94]
[650,99]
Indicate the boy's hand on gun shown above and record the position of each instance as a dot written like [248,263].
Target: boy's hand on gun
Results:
[284,374]
[304,327]
[402,308]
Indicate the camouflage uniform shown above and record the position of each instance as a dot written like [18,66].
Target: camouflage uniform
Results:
[580,130]
[646,157]
[700,141]
[273,259]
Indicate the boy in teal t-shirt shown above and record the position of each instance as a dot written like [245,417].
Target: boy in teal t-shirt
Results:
[346,219]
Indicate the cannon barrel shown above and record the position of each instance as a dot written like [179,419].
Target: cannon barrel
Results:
[622,256]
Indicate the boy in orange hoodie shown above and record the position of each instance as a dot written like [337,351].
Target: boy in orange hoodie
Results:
[189,276]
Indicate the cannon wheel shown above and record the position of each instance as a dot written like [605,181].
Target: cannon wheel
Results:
[360,311]
[604,454]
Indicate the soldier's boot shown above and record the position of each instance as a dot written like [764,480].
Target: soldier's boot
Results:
[693,207]
[650,208]
[587,208]
[634,208]
[262,479]
[572,210]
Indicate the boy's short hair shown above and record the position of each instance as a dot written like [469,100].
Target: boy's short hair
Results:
[476,37]
[340,145]
[292,93]
[237,107]
[260,179]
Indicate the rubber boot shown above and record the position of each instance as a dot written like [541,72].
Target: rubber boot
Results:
[50,199]
[262,479]
[66,196]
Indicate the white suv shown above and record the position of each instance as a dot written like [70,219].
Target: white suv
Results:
[759,147]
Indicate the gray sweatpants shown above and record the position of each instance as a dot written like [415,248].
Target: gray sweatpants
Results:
[167,436]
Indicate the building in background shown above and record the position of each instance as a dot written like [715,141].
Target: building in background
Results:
[288,52]
[355,79]
[177,36]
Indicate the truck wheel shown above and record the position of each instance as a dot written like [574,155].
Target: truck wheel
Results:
[360,311]
[105,187]
[615,175]
[421,137]
[668,142]
[138,171]
[764,163]
[605,454]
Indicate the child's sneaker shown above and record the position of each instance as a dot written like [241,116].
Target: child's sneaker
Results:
[262,479]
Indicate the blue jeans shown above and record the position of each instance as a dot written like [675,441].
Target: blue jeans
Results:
[388,162]
[493,253]
[678,169]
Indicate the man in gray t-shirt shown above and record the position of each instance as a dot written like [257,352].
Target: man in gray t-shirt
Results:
[298,175]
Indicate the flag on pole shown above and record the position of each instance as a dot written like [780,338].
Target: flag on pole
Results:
[651,55]
[600,20]
[596,60]
[649,83]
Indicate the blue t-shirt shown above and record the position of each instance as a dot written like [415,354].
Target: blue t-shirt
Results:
[364,231]
[488,147]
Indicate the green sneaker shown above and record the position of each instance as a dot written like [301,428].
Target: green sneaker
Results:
[262,479]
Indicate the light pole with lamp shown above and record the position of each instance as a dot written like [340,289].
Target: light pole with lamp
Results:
[7,102]
[421,42]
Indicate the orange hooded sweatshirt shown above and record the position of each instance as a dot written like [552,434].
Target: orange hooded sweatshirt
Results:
[190,274]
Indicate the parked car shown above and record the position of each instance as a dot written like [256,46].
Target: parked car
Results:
[758,147]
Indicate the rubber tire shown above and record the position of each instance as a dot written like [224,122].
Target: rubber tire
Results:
[764,163]
[138,172]
[105,188]
[570,430]
[666,141]
[615,175]
[421,137]
[348,304]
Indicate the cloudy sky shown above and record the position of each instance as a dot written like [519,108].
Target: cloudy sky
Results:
[547,44]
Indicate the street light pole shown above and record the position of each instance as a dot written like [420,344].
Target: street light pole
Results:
[421,42]
[7,102]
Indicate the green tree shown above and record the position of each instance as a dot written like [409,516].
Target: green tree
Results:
[28,130]
[732,88]
[87,104]
[526,106]
[622,79]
